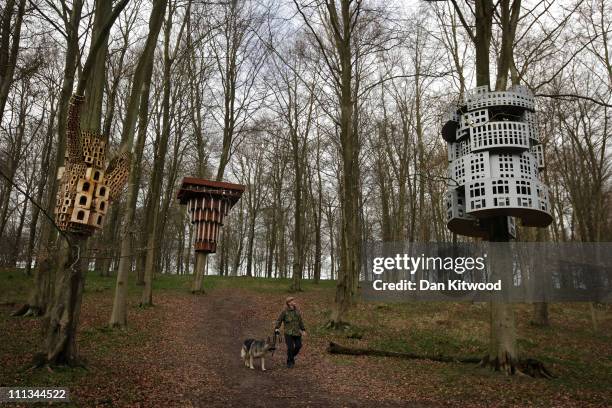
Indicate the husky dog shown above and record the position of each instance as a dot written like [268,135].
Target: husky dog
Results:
[252,349]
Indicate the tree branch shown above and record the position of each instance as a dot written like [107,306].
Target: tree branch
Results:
[89,64]
[573,97]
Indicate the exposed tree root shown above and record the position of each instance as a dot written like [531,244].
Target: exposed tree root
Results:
[529,367]
[40,361]
[504,364]
[535,368]
[198,292]
[334,325]
[539,324]
[21,311]
[27,311]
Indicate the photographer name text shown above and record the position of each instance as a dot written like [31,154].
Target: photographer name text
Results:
[459,285]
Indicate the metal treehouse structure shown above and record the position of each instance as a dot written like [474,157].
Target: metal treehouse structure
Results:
[495,158]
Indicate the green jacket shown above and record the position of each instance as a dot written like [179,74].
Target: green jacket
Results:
[292,320]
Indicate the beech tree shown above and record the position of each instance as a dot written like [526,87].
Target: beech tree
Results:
[62,319]
[10,37]
[138,110]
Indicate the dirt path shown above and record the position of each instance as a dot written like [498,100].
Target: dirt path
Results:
[185,352]
[198,360]
[206,369]
[230,316]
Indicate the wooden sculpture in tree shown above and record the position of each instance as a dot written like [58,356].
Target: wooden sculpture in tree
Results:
[208,202]
[84,193]
[87,187]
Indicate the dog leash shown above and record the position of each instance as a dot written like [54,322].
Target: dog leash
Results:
[280,340]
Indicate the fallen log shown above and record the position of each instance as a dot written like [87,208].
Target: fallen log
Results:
[529,366]
[335,348]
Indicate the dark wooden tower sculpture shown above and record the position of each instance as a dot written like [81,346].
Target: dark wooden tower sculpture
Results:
[208,202]
[87,185]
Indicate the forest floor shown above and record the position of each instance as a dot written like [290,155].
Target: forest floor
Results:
[185,350]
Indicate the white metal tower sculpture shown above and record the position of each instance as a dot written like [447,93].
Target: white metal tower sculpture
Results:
[495,157]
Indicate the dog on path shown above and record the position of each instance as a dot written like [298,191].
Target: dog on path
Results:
[252,349]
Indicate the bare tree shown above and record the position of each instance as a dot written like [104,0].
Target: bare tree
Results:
[12,19]
[138,109]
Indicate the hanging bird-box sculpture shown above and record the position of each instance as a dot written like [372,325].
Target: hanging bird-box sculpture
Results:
[87,186]
[495,157]
[208,202]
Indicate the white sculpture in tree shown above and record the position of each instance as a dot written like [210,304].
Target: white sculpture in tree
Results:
[495,157]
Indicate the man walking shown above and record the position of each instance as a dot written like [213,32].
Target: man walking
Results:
[294,329]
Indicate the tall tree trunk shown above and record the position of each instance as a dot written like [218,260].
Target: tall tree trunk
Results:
[139,97]
[44,179]
[158,167]
[187,260]
[92,109]
[271,245]
[298,235]
[230,76]
[540,314]
[540,309]
[503,352]
[14,159]
[8,50]
[332,261]
[350,244]
[62,320]
[198,279]
[319,216]
[91,120]
[108,241]
[17,247]
[43,274]
[250,242]
[119,312]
